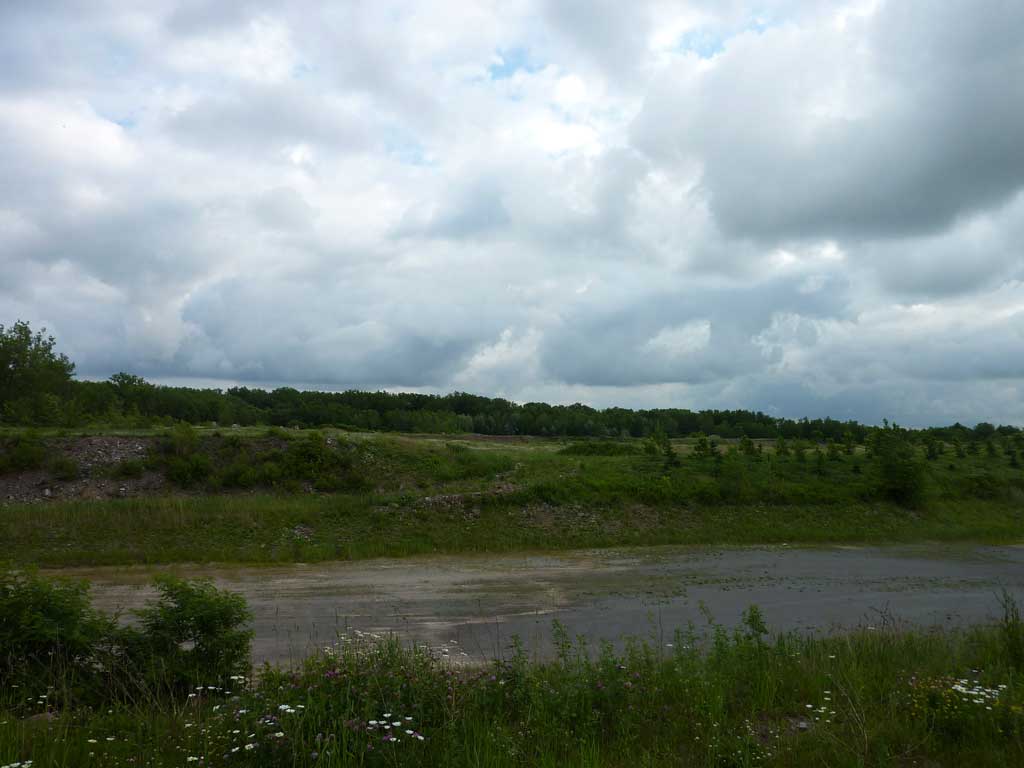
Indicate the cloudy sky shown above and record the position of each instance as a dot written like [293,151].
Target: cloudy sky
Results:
[798,206]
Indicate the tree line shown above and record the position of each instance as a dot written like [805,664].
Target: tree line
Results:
[38,388]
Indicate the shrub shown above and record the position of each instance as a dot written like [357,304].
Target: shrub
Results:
[193,635]
[734,480]
[50,635]
[983,485]
[600,448]
[55,643]
[900,475]
[64,468]
[181,441]
[188,471]
[129,468]
[22,453]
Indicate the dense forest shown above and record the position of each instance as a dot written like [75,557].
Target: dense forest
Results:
[38,388]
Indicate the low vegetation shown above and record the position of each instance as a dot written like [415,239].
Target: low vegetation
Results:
[176,691]
[280,495]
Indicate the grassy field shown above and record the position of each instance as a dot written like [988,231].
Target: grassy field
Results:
[876,697]
[262,529]
[276,497]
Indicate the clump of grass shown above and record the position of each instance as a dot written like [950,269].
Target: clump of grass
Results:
[64,468]
[22,452]
[600,448]
[128,469]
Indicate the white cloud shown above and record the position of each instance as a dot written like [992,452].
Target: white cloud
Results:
[804,207]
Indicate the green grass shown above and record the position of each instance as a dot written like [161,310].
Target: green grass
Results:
[875,697]
[269,529]
[277,497]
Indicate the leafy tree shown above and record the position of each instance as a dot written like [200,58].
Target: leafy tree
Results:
[702,448]
[833,451]
[33,377]
[849,442]
[900,475]
[819,462]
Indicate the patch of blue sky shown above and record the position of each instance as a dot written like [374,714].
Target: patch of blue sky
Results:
[125,120]
[708,41]
[405,148]
[703,41]
[512,60]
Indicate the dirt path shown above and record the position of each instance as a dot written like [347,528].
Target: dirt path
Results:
[472,606]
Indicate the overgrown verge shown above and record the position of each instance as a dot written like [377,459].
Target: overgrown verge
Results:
[876,697]
[274,529]
[56,649]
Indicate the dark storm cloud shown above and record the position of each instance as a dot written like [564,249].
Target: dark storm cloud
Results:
[694,335]
[916,124]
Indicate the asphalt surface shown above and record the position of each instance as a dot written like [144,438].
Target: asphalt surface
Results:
[470,607]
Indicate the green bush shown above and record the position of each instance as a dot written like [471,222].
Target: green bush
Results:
[193,635]
[64,468]
[983,485]
[188,471]
[129,468]
[55,644]
[900,474]
[182,440]
[22,453]
[599,448]
[50,636]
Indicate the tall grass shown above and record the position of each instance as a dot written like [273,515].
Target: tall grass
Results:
[313,528]
[877,697]
[269,529]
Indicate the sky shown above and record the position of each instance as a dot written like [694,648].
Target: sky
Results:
[803,207]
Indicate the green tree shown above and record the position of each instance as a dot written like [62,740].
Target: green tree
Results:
[900,474]
[702,448]
[833,451]
[33,377]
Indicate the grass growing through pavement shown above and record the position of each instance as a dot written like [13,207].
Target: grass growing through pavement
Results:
[877,697]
